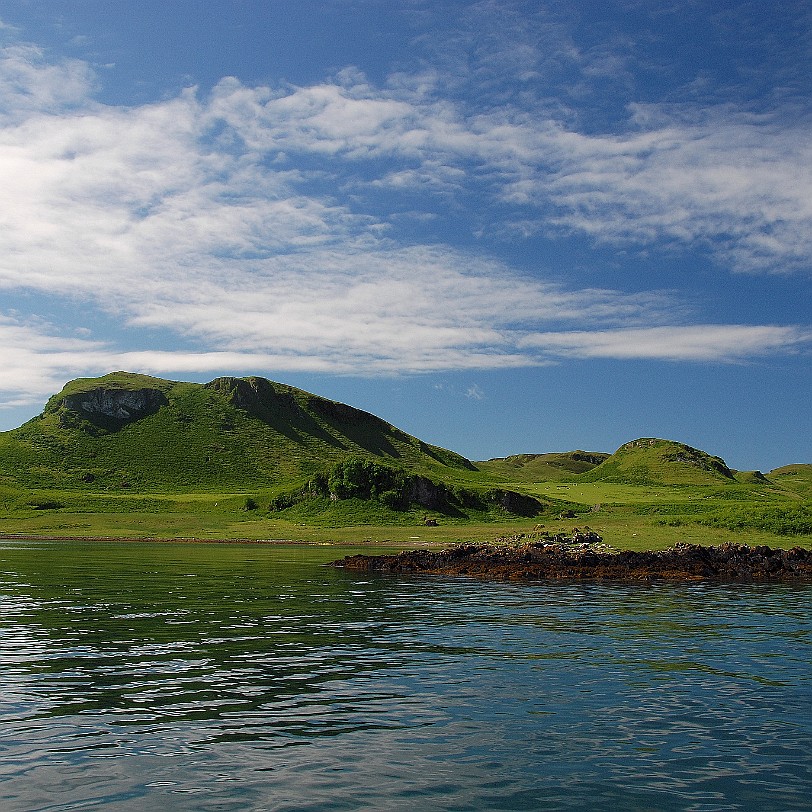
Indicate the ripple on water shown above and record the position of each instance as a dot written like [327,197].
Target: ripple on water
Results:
[228,678]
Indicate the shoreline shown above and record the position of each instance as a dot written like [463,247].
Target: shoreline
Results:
[154,539]
[527,561]
[538,561]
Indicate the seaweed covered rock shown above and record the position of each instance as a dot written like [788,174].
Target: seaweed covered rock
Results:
[539,560]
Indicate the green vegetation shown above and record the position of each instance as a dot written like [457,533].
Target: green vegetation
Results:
[650,461]
[543,467]
[783,520]
[136,456]
[140,433]
[391,492]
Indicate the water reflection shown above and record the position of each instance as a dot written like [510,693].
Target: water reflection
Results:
[220,677]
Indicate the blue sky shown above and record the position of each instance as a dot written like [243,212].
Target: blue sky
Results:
[505,227]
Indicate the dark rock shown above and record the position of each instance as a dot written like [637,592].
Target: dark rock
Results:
[427,494]
[254,395]
[727,562]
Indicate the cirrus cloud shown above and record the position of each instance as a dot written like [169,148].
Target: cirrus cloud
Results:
[701,342]
[242,223]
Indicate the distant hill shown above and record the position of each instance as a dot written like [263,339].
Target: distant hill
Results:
[751,478]
[543,467]
[136,431]
[660,462]
[795,478]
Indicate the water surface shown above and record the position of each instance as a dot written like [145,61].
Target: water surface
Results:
[245,677]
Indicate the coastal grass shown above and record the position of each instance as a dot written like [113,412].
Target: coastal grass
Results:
[632,516]
[634,524]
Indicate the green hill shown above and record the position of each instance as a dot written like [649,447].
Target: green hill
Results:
[134,434]
[794,478]
[651,461]
[135,431]
[139,455]
[751,478]
[542,467]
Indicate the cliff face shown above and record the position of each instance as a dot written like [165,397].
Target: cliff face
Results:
[114,408]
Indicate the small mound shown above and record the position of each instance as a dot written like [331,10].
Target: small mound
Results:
[652,461]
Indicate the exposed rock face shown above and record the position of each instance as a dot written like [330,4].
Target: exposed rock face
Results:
[342,413]
[515,503]
[115,408]
[729,562]
[254,395]
[427,494]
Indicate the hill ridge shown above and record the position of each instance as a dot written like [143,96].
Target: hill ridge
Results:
[138,429]
[281,433]
[653,460]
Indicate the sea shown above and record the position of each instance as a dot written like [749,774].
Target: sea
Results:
[171,676]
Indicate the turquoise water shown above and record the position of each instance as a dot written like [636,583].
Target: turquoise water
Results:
[230,677]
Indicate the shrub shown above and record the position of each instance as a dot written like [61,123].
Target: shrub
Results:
[783,520]
[45,504]
[358,478]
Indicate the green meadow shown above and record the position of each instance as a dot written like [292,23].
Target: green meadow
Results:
[129,456]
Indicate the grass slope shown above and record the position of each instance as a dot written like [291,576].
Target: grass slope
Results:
[794,478]
[651,461]
[229,434]
[541,467]
[124,442]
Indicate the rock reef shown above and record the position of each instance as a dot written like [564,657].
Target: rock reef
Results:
[536,561]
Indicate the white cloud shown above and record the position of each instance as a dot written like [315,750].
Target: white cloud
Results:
[37,361]
[737,182]
[29,84]
[190,216]
[703,342]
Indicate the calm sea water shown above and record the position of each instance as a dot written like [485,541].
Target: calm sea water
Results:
[219,677]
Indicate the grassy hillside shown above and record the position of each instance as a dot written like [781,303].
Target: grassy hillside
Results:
[136,456]
[542,467]
[656,489]
[124,442]
[126,431]
[794,478]
[651,461]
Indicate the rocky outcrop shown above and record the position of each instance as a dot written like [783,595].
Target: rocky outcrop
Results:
[343,414]
[699,459]
[427,494]
[727,562]
[256,396]
[112,408]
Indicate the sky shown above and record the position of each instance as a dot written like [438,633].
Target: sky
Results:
[505,227]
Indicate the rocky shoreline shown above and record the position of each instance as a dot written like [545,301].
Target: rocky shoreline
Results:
[536,561]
